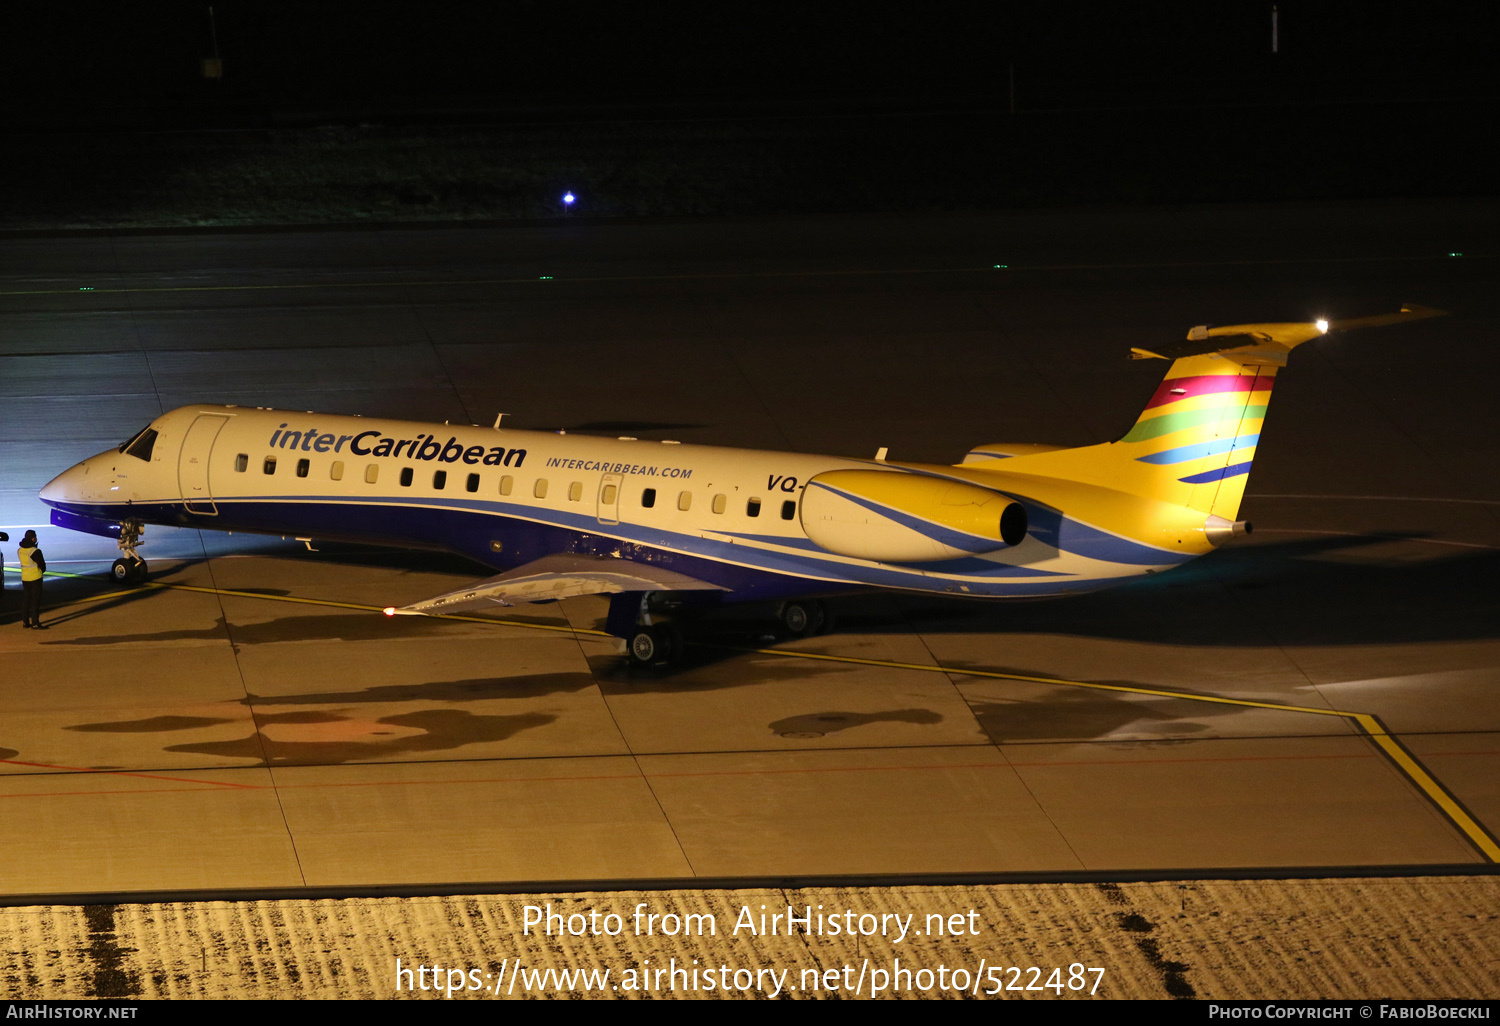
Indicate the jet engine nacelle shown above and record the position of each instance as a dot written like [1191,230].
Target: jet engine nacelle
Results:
[893,517]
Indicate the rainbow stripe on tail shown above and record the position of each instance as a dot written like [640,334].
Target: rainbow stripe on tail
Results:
[1199,432]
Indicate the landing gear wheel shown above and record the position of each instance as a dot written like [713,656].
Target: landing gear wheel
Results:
[653,646]
[129,572]
[801,619]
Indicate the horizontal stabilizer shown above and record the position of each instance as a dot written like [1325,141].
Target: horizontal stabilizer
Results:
[1273,339]
[556,577]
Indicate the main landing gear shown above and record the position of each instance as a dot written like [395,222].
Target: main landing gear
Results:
[804,617]
[651,643]
[654,643]
[651,646]
[130,569]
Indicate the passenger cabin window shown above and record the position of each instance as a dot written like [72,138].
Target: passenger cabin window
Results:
[752,508]
[575,491]
[440,479]
[372,473]
[269,467]
[405,477]
[607,497]
[684,501]
[473,483]
[788,509]
[303,466]
[336,471]
[540,491]
[140,446]
[506,484]
[648,498]
[721,503]
[242,463]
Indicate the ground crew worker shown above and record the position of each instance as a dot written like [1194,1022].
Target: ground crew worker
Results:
[32,568]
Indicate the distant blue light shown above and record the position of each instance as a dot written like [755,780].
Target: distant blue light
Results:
[568,199]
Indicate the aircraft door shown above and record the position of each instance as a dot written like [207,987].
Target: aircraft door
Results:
[192,464]
[609,499]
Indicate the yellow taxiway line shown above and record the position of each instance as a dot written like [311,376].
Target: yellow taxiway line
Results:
[1366,723]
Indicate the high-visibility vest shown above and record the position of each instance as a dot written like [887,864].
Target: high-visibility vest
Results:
[29,570]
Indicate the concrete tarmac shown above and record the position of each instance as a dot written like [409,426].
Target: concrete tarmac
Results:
[1324,695]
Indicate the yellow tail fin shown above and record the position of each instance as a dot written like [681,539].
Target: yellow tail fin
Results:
[1193,444]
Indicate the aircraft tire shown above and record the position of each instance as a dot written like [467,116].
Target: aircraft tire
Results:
[128,572]
[826,620]
[651,647]
[802,619]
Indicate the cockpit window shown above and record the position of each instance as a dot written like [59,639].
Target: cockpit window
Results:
[140,446]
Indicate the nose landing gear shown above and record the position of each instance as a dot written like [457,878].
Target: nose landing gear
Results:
[130,569]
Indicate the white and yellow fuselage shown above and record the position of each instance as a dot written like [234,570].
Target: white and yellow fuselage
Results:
[1011,521]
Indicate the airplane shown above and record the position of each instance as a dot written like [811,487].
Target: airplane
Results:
[666,529]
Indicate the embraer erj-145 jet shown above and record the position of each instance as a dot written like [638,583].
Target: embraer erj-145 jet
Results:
[661,525]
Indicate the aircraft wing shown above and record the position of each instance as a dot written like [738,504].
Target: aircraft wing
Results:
[555,577]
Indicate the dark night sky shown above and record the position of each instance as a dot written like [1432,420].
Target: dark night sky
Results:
[84,63]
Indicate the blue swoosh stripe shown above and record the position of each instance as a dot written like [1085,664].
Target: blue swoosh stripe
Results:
[959,565]
[1051,527]
[776,539]
[1192,452]
[1217,475]
[379,514]
[939,533]
[1048,526]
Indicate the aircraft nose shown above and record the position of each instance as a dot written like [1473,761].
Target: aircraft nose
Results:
[72,485]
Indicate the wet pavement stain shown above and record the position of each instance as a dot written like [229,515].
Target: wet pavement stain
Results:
[217,633]
[818,724]
[470,690]
[440,730]
[1084,714]
[424,730]
[361,626]
[475,690]
[149,725]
